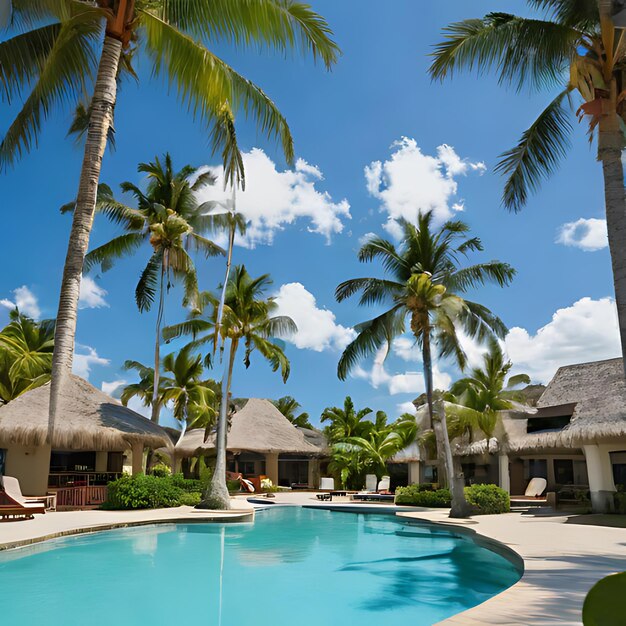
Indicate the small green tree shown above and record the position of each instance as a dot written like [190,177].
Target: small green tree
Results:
[290,408]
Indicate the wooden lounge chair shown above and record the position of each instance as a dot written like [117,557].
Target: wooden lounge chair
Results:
[533,495]
[11,510]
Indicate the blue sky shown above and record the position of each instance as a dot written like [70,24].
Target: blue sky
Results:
[342,122]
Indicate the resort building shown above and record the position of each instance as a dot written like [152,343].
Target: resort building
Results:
[261,442]
[575,438]
[93,440]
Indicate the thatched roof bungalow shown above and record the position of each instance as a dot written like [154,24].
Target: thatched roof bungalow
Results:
[91,433]
[261,442]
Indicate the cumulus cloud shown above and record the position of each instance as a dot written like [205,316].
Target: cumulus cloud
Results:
[274,199]
[84,362]
[91,294]
[111,387]
[406,407]
[410,182]
[317,328]
[585,331]
[406,382]
[587,234]
[25,300]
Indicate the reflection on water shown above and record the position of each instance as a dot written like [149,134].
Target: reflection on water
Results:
[321,566]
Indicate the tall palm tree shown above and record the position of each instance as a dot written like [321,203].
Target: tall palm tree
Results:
[248,319]
[170,219]
[576,53]
[290,408]
[144,389]
[489,389]
[60,49]
[426,282]
[190,396]
[25,355]
[346,421]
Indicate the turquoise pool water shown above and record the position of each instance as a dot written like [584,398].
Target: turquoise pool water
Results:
[293,566]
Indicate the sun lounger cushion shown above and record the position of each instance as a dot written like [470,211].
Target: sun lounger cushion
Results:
[536,487]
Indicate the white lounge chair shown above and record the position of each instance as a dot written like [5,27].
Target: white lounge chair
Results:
[327,483]
[370,482]
[12,488]
[535,487]
[384,484]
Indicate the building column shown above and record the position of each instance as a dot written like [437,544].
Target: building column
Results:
[313,479]
[271,466]
[600,473]
[175,462]
[137,454]
[414,473]
[503,472]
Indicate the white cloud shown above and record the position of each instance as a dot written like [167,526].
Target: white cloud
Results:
[110,387]
[406,382]
[407,349]
[137,405]
[274,199]
[406,407]
[91,295]
[587,234]
[84,362]
[25,300]
[317,328]
[410,181]
[585,331]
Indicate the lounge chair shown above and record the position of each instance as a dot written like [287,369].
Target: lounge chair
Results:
[327,484]
[370,483]
[384,484]
[10,509]
[12,488]
[533,494]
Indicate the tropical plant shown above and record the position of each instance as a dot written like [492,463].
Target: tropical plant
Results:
[290,408]
[346,421]
[248,319]
[191,397]
[170,219]
[144,388]
[58,50]
[576,50]
[486,391]
[25,355]
[426,282]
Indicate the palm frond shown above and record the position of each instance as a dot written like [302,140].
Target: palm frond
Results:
[205,82]
[148,284]
[477,275]
[274,23]
[106,254]
[537,154]
[521,50]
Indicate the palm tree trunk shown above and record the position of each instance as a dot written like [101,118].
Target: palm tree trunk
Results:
[216,495]
[437,414]
[610,144]
[156,405]
[102,105]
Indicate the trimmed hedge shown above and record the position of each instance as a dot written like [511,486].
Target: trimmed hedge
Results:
[142,492]
[420,495]
[488,499]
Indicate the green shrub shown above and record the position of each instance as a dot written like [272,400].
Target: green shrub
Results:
[234,486]
[605,604]
[417,495]
[161,470]
[187,484]
[142,492]
[190,498]
[488,499]
[620,502]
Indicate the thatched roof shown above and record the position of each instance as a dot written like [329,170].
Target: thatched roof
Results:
[87,419]
[598,391]
[316,438]
[257,427]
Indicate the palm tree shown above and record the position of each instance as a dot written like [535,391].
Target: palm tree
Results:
[190,396]
[345,422]
[248,319]
[170,219]
[144,389]
[65,48]
[25,355]
[290,408]
[575,36]
[426,284]
[487,391]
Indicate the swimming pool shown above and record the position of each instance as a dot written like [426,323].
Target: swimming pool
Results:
[293,566]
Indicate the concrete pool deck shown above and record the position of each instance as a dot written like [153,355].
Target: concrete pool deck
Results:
[562,561]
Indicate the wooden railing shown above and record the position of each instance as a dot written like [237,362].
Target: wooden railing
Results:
[80,497]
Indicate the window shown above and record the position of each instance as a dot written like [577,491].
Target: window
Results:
[430,474]
[537,468]
[564,471]
[3,457]
[246,467]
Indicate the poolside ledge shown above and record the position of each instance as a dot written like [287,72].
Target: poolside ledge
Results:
[562,561]
[64,523]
